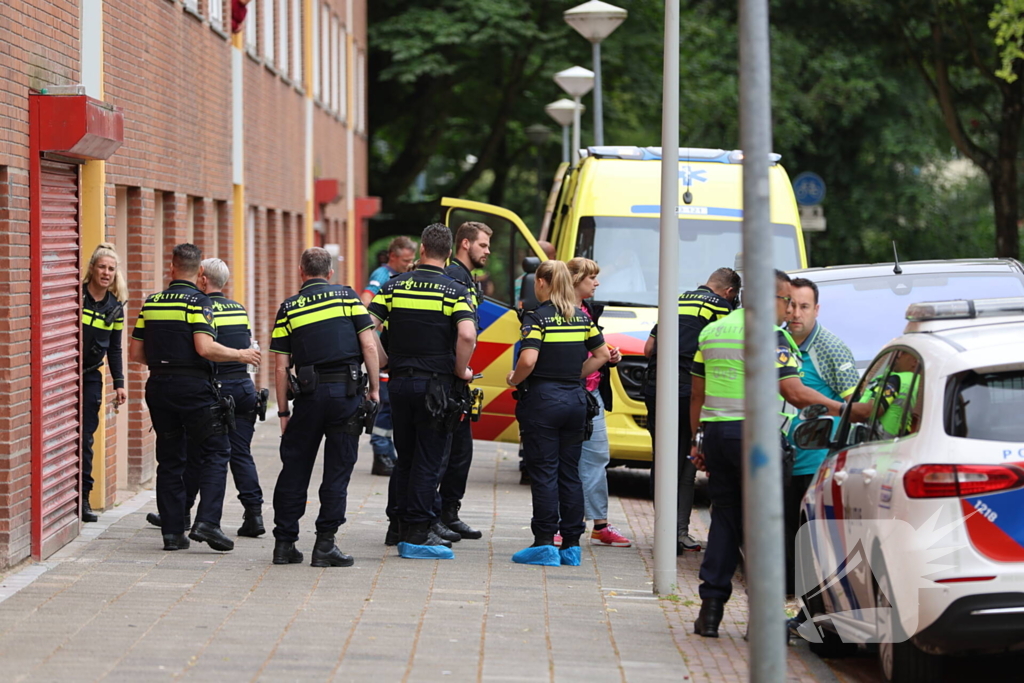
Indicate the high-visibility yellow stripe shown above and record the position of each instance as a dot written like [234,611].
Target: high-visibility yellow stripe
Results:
[177,315]
[319,316]
[225,319]
[280,331]
[565,336]
[194,318]
[418,305]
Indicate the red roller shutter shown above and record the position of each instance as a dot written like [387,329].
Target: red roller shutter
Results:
[56,377]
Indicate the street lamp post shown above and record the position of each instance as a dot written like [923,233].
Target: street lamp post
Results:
[595,21]
[538,134]
[576,82]
[562,112]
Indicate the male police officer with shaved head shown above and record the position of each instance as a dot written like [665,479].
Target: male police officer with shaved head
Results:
[175,336]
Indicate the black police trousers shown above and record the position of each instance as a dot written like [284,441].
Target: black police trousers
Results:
[243,468]
[551,419]
[178,406]
[92,402]
[686,471]
[455,472]
[723,457]
[316,416]
[421,448]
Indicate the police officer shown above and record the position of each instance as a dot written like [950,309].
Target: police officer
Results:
[552,411]
[697,309]
[326,334]
[472,247]
[432,334]
[175,336]
[717,401]
[898,395]
[103,295]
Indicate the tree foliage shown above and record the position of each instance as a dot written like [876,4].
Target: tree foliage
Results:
[879,97]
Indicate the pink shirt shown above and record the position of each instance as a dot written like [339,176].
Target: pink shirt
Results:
[593,379]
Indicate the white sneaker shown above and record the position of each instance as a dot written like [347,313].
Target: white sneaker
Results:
[685,543]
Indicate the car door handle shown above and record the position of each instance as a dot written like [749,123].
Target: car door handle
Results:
[869,474]
[840,477]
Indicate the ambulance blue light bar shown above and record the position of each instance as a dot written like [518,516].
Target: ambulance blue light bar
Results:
[965,309]
[700,154]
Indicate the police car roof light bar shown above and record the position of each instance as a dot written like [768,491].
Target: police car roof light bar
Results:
[965,309]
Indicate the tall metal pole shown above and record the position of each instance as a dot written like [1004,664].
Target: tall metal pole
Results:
[565,145]
[598,104]
[576,122]
[666,437]
[762,463]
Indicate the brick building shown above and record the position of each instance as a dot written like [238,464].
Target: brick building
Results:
[252,146]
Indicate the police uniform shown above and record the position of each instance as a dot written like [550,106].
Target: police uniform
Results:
[719,360]
[102,323]
[421,310]
[697,309]
[234,332]
[181,397]
[552,412]
[319,327]
[893,404]
[460,456]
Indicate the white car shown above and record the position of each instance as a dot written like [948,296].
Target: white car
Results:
[914,525]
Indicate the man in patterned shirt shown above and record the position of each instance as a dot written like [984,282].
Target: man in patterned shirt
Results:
[829,368]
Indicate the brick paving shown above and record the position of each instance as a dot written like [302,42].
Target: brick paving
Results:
[113,606]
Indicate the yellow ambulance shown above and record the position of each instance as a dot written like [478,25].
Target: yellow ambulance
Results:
[607,208]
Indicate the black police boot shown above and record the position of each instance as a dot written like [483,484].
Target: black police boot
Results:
[154,519]
[211,534]
[176,542]
[394,534]
[442,530]
[285,552]
[450,517]
[252,522]
[87,514]
[327,554]
[382,465]
[710,616]
[422,534]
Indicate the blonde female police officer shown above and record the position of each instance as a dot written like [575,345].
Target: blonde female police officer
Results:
[552,412]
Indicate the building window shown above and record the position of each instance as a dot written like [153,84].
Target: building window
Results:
[284,54]
[297,56]
[360,103]
[342,74]
[215,10]
[268,30]
[250,26]
[325,54]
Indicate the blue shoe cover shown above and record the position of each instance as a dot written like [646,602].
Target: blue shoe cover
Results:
[424,552]
[571,556]
[546,555]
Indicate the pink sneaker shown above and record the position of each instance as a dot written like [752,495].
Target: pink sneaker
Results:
[558,540]
[609,536]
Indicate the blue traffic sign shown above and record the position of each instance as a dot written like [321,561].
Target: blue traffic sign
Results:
[809,189]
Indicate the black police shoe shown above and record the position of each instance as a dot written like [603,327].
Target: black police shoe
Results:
[422,534]
[285,552]
[439,528]
[211,534]
[87,514]
[450,517]
[710,616]
[394,534]
[524,478]
[383,465]
[252,522]
[154,519]
[327,554]
[176,542]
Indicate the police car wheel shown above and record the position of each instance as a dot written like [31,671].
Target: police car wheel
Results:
[901,662]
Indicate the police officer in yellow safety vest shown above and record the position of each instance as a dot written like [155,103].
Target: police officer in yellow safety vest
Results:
[717,402]
[898,396]
[175,336]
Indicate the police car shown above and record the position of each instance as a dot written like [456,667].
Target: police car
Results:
[913,535]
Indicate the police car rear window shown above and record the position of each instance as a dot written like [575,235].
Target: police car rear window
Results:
[986,406]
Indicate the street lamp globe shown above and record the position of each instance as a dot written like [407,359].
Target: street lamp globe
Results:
[595,20]
[538,134]
[575,81]
[563,111]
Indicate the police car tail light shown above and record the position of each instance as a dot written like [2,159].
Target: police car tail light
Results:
[948,481]
[964,308]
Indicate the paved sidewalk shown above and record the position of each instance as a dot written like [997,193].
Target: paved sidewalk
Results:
[115,607]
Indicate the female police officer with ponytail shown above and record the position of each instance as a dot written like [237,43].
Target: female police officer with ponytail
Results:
[552,411]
